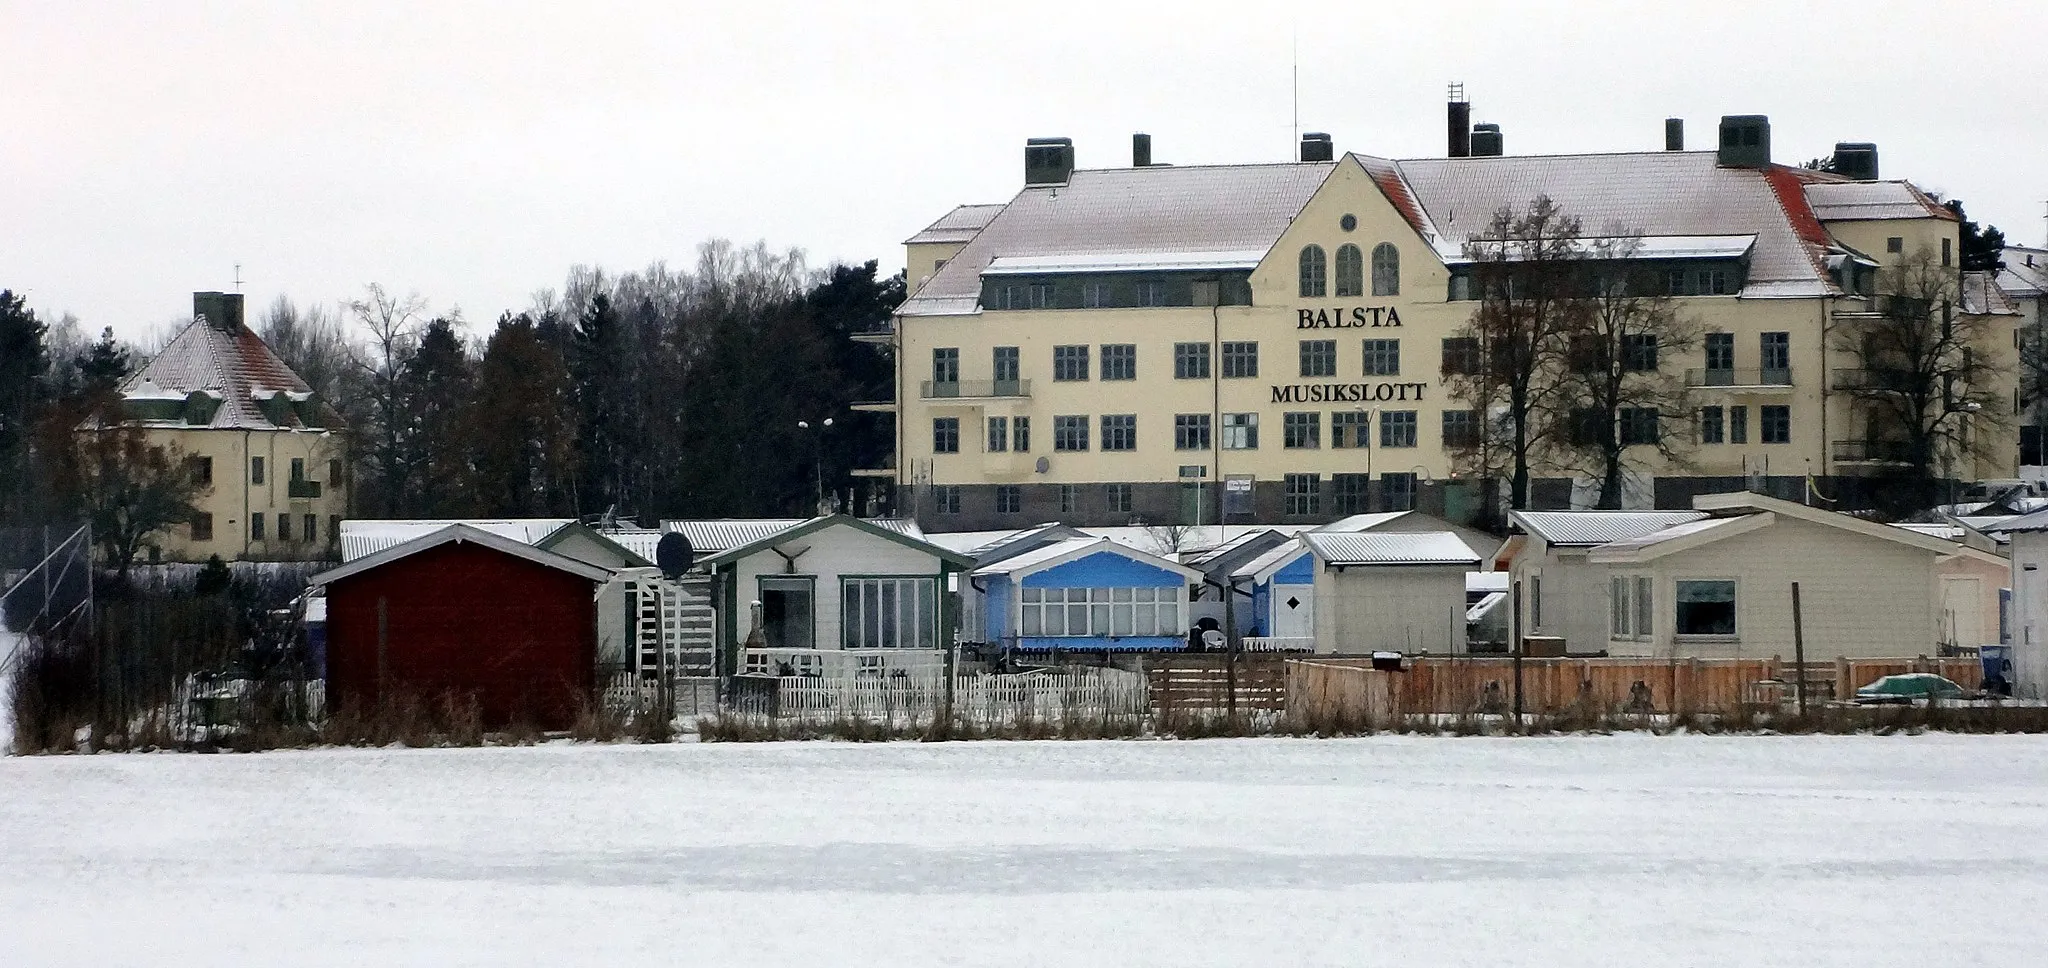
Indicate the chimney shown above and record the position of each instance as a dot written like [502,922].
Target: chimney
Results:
[1460,123]
[1316,146]
[1856,159]
[1048,161]
[1486,141]
[223,310]
[1745,141]
[1674,134]
[1141,150]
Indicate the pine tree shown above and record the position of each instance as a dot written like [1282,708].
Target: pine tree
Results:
[23,361]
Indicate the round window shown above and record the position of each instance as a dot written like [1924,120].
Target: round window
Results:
[1348,222]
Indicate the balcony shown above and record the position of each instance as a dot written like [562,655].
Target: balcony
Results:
[886,471]
[1876,378]
[873,406]
[1729,378]
[974,389]
[881,335]
[307,490]
[1871,452]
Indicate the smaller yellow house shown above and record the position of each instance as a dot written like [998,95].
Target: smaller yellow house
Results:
[272,452]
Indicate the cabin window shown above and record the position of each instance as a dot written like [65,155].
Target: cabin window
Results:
[888,613]
[1112,612]
[1706,607]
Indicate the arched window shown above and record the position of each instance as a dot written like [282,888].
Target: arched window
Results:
[1386,270]
[1350,271]
[1314,272]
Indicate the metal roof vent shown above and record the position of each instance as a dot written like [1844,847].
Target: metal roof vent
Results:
[1048,161]
[1316,146]
[1856,159]
[1486,141]
[1745,141]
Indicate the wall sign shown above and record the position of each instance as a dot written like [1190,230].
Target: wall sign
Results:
[1356,317]
[1347,392]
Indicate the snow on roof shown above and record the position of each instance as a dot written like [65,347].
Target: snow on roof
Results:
[1124,262]
[1642,247]
[1487,603]
[724,534]
[1687,529]
[1077,548]
[462,532]
[2025,271]
[1274,557]
[1487,581]
[1395,548]
[361,538]
[1849,201]
[1587,528]
[237,367]
[1981,295]
[1361,522]
[958,225]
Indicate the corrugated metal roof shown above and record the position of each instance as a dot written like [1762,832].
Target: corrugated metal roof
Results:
[1273,556]
[2019,279]
[361,538]
[1161,209]
[1597,527]
[1674,532]
[1870,200]
[1021,265]
[724,534]
[1361,522]
[1391,548]
[958,225]
[235,366]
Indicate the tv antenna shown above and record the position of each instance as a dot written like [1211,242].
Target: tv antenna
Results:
[238,277]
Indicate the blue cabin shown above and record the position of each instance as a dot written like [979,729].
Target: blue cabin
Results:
[1283,592]
[1086,594]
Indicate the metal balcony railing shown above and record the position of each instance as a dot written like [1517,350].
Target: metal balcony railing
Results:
[1871,451]
[1732,377]
[303,489]
[1875,378]
[932,390]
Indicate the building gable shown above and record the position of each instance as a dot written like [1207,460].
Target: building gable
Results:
[1104,569]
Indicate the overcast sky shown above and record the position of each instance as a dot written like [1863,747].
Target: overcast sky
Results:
[474,152]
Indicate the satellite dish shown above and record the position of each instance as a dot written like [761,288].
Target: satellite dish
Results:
[673,555]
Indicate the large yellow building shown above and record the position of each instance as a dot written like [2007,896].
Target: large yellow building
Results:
[1266,342]
[269,452]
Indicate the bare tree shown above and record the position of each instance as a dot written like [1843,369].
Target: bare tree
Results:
[132,489]
[1926,389]
[1626,411]
[1526,272]
[393,327]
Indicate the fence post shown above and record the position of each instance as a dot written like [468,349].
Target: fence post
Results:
[1799,649]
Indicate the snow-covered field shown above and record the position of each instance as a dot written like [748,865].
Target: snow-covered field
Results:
[1625,850]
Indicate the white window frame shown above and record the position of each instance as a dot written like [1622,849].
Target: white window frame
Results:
[1631,607]
[874,610]
[1100,612]
[1734,636]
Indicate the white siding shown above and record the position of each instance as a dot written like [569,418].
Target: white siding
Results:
[2030,615]
[827,555]
[1401,609]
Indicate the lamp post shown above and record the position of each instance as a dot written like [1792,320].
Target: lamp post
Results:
[817,459]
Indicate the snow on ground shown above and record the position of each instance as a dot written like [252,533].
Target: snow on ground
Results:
[1635,850]
[9,641]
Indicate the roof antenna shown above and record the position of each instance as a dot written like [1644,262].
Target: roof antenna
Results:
[1294,145]
[238,277]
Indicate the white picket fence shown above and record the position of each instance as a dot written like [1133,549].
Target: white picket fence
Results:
[986,699]
[694,696]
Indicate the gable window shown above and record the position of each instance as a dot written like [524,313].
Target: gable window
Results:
[1240,431]
[1301,430]
[1069,432]
[1241,359]
[1349,429]
[1190,361]
[1119,431]
[1350,271]
[1304,493]
[1895,244]
[1315,271]
[1386,270]
[1009,499]
[1119,361]
[998,434]
[945,435]
[1070,362]
[1318,357]
[888,613]
[1705,606]
[1382,357]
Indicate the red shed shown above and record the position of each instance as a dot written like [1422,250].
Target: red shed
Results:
[465,612]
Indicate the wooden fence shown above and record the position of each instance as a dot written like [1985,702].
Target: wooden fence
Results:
[1352,688]
[1853,674]
[1211,682]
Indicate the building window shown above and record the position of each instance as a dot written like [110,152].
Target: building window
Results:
[1461,428]
[1386,270]
[1069,433]
[1629,615]
[1151,292]
[1350,493]
[1774,424]
[1711,429]
[1639,352]
[1205,292]
[1738,425]
[308,523]
[1714,282]
[1098,612]
[1398,491]
[1720,353]
[1382,357]
[1705,607]
[1190,361]
[1070,362]
[1397,428]
[946,498]
[1460,287]
[1301,430]
[1241,359]
[1638,425]
[1119,361]
[333,528]
[1005,365]
[256,527]
[202,526]
[1119,431]
[1097,295]
[1350,271]
[1461,356]
[998,434]
[1020,434]
[1009,499]
[1191,431]
[298,469]
[1119,498]
[284,527]
[1349,429]
[946,364]
[255,470]
[1070,498]
[888,613]
[201,469]
[1038,295]
[1947,251]
[333,473]
[1240,431]
[1319,356]
[1304,493]
[945,435]
[1775,358]
[1894,244]
[1314,272]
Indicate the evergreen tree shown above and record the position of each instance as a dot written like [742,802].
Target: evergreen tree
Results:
[105,363]
[523,424]
[23,361]
[435,389]
[1982,249]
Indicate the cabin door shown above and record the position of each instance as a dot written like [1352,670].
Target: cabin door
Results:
[1962,611]
[1294,611]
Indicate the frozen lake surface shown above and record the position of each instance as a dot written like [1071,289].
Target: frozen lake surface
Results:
[1634,850]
